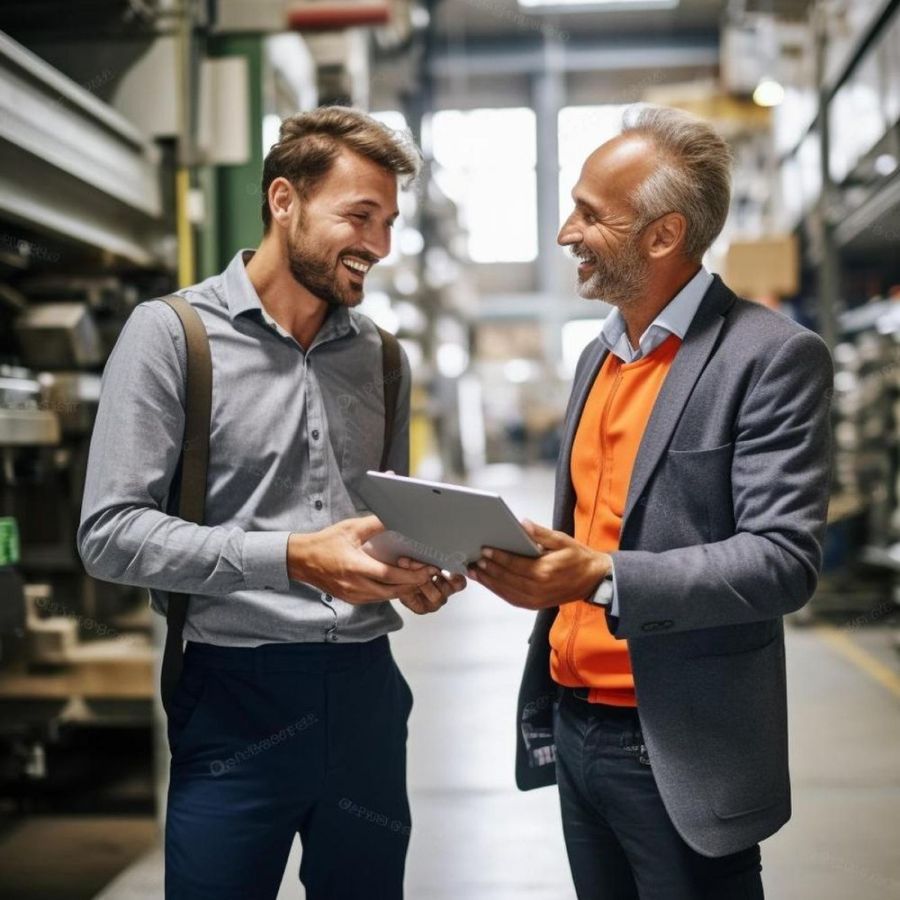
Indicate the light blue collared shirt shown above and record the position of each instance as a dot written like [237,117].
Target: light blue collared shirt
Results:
[674,318]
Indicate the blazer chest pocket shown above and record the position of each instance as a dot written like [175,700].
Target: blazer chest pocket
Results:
[696,487]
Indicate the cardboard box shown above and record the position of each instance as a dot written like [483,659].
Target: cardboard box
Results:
[762,267]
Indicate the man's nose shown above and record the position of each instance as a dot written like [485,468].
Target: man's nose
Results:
[378,243]
[569,234]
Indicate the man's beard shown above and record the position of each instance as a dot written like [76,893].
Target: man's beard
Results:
[315,271]
[619,280]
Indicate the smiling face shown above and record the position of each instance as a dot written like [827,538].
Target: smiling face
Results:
[603,230]
[342,229]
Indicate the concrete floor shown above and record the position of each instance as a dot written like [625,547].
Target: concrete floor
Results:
[475,837]
[61,857]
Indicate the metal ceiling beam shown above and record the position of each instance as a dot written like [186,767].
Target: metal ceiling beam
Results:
[575,55]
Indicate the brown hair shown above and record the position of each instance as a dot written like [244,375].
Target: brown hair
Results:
[309,142]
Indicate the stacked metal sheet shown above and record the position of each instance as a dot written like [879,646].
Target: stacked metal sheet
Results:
[866,417]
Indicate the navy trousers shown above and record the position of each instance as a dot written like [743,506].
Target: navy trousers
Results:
[283,739]
[620,840]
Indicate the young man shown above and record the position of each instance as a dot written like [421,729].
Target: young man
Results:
[290,714]
[691,495]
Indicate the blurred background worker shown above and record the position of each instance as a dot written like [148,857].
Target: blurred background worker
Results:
[132,138]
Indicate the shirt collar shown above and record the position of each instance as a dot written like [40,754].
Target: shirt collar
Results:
[241,297]
[674,318]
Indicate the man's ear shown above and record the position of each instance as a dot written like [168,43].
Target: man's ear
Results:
[282,199]
[666,235]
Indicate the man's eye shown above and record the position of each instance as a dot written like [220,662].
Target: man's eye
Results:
[360,217]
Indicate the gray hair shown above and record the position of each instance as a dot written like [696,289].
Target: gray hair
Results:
[693,176]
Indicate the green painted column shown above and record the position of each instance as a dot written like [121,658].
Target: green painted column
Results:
[235,190]
[207,247]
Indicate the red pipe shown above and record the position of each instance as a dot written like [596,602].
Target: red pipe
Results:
[327,16]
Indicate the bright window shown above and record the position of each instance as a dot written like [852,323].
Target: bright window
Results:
[393,118]
[582,129]
[484,160]
[396,121]
[576,335]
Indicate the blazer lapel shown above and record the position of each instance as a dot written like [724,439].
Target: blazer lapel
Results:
[564,500]
[686,368]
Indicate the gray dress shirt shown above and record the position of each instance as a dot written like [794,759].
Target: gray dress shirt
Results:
[291,432]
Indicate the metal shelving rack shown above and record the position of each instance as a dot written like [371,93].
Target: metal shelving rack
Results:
[72,167]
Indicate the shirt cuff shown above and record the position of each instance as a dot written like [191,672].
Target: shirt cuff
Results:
[265,560]
[614,603]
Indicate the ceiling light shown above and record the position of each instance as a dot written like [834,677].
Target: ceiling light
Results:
[419,17]
[885,164]
[598,5]
[768,93]
[452,360]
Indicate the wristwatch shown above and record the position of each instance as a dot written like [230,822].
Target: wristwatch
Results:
[603,595]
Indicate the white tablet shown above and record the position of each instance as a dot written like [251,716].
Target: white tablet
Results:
[442,524]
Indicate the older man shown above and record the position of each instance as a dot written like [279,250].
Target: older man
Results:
[691,495]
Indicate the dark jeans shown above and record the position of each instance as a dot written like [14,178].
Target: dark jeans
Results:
[619,838]
[283,739]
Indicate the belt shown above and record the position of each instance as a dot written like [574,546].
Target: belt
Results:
[577,700]
[312,657]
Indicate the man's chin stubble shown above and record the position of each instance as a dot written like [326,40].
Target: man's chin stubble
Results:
[588,292]
[332,296]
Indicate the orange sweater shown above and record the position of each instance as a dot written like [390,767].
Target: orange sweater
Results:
[583,652]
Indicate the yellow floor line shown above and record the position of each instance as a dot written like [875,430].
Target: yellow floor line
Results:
[852,652]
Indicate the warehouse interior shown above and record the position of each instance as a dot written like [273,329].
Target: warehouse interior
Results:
[132,134]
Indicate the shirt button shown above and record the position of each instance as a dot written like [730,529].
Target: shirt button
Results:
[332,637]
[318,504]
[327,598]
[315,434]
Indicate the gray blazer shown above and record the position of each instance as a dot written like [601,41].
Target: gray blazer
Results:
[721,537]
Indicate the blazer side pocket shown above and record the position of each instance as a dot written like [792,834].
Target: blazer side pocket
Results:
[739,727]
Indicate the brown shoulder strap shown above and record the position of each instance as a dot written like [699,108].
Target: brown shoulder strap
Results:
[198,406]
[391,373]
[193,465]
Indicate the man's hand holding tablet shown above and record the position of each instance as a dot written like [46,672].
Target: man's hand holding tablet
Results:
[442,524]
[474,532]
[333,560]
[566,571]
[432,595]
[421,597]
